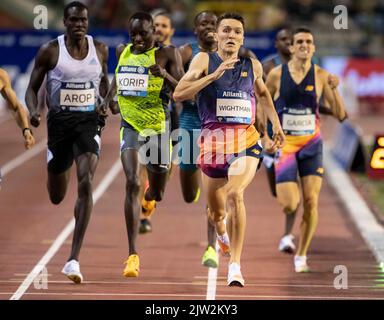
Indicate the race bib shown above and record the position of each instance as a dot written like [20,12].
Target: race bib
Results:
[294,124]
[233,107]
[132,81]
[76,96]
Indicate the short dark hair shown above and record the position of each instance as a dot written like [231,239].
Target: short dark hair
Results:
[301,29]
[164,14]
[74,4]
[231,15]
[142,16]
[195,20]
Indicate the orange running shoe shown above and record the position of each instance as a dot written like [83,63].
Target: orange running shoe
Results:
[147,207]
[132,267]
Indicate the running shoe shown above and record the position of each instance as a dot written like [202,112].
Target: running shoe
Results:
[286,244]
[132,267]
[223,242]
[147,207]
[197,195]
[300,263]
[210,258]
[72,271]
[235,278]
[145,226]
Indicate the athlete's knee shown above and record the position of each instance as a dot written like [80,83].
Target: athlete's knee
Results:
[85,185]
[132,184]
[310,204]
[189,197]
[235,198]
[217,215]
[56,198]
[158,195]
[290,208]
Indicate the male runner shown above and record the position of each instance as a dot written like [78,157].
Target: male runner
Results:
[296,88]
[163,37]
[204,28]
[143,80]
[77,78]
[283,43]
[226,86]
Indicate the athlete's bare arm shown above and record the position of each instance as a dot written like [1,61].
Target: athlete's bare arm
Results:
[17,109]
[331,95]
[108,99]
[173,70]
[185,53]
[102,53]
[45,60]
[196,79]
[265,99]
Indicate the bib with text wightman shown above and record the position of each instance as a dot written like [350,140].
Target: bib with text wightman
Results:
[77,96]
[298,122]
[132,81]
[233,107]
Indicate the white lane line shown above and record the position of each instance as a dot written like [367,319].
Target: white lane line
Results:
[104,184]
[370,229]
[212,278]
[25,156]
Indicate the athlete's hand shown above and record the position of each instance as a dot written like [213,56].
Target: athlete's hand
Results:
[35,119]
[158,71]
[102,108]
[225,65]
[269,146]
[29,139]
[278,136]
[333,81]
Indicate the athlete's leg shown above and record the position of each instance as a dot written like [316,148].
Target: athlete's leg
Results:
[57,185]
[86,164]
[215,189]
[311,186]
[237,183]
[288,195]
[131,166]
[190,183]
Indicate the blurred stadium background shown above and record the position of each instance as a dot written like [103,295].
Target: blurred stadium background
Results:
[354,54]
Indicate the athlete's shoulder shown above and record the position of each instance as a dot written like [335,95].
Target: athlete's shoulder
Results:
[100,46]
[320,72]
[275,73]
[50,46]
[120,48]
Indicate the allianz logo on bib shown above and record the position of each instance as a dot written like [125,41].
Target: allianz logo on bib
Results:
[132,69]
[233,94]
[76,85]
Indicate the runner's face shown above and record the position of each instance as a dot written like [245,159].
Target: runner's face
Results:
[283,41]
[230,35]
[141,34]
[205,28]
[303,46]
[163,29]
[76,23]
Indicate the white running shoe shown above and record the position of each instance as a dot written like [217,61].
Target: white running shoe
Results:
[235,278]
[72,271]
[286,244]
[300,263]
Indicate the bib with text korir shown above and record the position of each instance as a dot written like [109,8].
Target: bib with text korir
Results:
[298,122]
[132,81]
[233,107]
[77,96]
